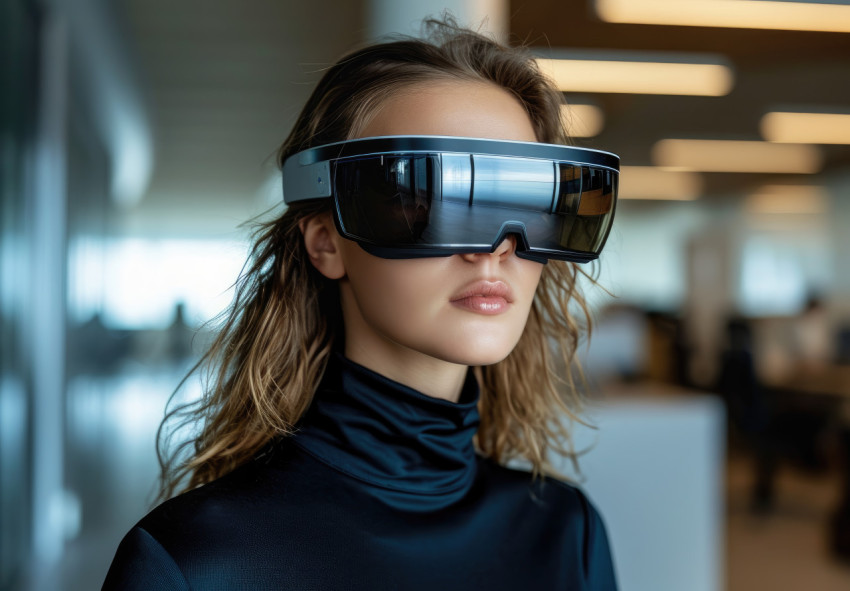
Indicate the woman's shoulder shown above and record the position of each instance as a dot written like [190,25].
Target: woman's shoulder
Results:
[215,502]
[564,507]
[239,499]
[551,496]
[549,488]
[211,517]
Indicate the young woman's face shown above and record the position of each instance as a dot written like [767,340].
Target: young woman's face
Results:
[465,309]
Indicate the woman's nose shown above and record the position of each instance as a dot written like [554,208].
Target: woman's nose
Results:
[505,248]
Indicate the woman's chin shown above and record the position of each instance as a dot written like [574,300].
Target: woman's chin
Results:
[474,354]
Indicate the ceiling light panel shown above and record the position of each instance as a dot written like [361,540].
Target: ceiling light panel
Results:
[638,77]
[746,14]
[581,120]
[806,128]
[788,199]
[737,156]
[649,182]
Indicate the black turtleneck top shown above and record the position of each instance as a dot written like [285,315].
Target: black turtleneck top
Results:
[380,488]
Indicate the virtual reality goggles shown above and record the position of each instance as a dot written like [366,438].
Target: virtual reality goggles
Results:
[426,196]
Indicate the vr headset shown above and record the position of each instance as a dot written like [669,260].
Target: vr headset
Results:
[427,196]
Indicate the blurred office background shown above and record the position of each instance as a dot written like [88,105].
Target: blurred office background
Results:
[137,137]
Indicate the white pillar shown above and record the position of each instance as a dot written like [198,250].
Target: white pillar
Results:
[120,113]
[393,16]
[46,315]
[713,256]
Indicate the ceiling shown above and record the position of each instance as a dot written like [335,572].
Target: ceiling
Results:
[773,69]
[225,80]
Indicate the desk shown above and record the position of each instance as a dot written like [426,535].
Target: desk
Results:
[831,384]
[827,380]
[654,468]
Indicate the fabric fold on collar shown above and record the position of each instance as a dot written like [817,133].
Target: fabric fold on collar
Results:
[390,436]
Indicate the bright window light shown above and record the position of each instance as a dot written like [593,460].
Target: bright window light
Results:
[771,278]
[138,282]
[746,14]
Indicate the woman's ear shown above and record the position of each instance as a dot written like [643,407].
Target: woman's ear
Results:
[322,242]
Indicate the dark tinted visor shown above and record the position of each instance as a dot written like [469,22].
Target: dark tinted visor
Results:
[418,204]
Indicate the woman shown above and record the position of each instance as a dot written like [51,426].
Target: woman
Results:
[380,361]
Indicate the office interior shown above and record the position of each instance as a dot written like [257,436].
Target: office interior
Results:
[138,141]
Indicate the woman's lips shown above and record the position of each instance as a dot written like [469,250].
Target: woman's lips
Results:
[484,297]
[482,304]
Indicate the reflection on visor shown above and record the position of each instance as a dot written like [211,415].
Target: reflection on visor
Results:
[387,199]
[457,202]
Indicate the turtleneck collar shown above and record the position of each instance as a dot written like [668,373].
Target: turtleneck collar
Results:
[388,435]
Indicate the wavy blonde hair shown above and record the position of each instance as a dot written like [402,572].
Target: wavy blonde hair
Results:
[273,343]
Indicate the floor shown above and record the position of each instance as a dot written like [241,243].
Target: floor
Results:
[785,550]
